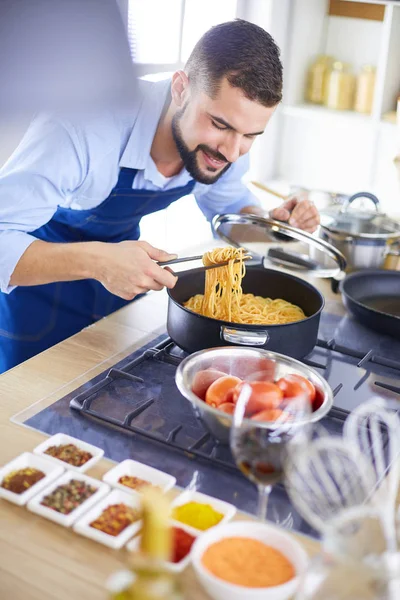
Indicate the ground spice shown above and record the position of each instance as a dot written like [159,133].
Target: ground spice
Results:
[195,514]
[115,518]
[70,454]
[65,498]
[182,543]
[21,480]
[247,562]
[133,482]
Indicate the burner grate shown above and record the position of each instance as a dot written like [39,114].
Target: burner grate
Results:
[184,432]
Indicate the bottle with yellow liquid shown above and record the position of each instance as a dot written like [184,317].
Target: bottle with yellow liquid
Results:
[150,580]
[317,79]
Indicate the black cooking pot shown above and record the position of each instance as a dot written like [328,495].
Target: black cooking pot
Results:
[194,332]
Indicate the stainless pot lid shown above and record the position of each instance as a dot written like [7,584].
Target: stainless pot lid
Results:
[275,243]
[346,222]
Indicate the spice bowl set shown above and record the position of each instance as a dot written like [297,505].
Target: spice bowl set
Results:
[106,511]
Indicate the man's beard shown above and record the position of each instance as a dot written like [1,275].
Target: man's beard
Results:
[189,157]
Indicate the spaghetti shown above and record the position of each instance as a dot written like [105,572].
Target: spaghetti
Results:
[223,296]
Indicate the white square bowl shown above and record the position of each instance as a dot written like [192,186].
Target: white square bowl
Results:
[133,546]
[228,510]
[35,505]
[136,469]
[83,527]
[62,438]
[27,459]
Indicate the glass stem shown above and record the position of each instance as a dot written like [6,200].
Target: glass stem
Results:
[263,495]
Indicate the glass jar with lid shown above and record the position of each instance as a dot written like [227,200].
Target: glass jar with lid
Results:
[317,78]
[365,90]
[339,91]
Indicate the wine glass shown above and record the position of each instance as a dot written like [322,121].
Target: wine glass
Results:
[261,447]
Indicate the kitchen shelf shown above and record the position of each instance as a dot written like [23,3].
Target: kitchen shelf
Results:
[314,111]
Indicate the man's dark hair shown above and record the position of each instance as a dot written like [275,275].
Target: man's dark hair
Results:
[242,52]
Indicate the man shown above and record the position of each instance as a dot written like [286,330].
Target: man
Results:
[73,194]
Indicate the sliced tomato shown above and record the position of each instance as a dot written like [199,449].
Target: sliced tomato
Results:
[221,390]
[269,414]
[203,379]
[227,407]
[264,395]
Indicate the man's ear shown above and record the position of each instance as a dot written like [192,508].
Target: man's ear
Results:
[180,88]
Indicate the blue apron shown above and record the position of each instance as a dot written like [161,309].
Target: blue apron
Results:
[37,317]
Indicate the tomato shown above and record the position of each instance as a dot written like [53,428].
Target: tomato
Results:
[293,388]
[255,369]
[227,407]
[264,395]
[269,414]
[203,379]
[221,391]
[306,382]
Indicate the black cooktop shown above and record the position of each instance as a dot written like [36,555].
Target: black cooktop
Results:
[134,410]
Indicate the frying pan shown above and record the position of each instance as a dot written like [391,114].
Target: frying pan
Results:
[373,297]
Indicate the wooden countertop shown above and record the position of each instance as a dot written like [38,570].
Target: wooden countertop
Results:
[41,560]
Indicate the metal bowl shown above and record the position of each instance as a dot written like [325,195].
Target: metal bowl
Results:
[233,359]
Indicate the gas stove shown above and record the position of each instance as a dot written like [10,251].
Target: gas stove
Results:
[134,410]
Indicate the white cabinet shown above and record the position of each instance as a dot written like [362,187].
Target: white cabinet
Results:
[313,146]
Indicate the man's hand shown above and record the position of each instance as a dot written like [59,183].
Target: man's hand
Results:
[129,268]
[299,213]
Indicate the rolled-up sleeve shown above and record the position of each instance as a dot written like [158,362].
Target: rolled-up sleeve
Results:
[229,194]
[47,166]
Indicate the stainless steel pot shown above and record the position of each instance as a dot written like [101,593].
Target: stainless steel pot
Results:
[363,237]
[234,359]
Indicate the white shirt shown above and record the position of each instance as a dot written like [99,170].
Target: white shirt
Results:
[75,164]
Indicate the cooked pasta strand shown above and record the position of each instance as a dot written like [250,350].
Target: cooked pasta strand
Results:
[223,296]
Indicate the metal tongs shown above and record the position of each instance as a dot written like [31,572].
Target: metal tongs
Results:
[200,257]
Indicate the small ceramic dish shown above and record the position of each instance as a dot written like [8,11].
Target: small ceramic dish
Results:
[27,459]
[133,468]
[83,527]
[227,510]
[219,589]
[35,505]
[133,546]
[60,439]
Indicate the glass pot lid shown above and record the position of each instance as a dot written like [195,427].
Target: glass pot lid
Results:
[369,224]
[275,243]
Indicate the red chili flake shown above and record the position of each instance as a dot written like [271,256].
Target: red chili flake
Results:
[70,454]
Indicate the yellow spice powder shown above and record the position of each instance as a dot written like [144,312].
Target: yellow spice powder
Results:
[195,514]
[247,562]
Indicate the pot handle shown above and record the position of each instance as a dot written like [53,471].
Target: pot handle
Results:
[374,199]
[242,337]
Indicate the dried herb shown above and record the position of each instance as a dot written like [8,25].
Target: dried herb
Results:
[21,480]
[65,498]
[70,454]
[115,518]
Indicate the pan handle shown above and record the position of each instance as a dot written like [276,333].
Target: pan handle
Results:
[243,337]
